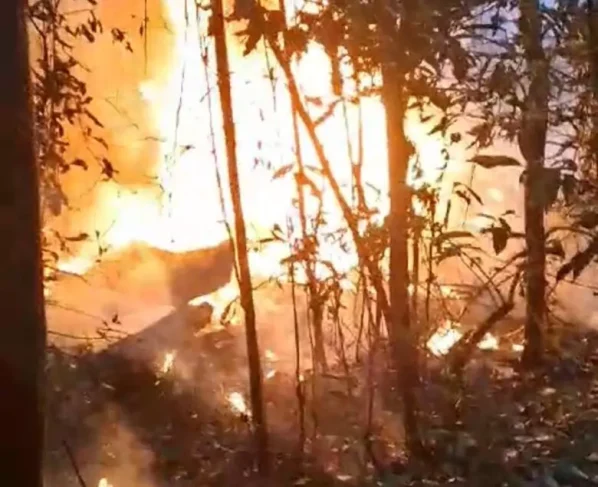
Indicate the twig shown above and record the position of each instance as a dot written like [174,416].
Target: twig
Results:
[71,457]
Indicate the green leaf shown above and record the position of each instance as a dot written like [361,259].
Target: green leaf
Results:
[490,162]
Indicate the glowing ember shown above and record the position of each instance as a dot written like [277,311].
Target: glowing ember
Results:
[442,341]
[270,355]
[168,362]
[77,265]
[220,300]
[447,291]
[238,404]
[517,347]
[489,342]
[104,483]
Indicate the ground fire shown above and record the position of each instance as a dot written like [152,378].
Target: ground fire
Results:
[392,306]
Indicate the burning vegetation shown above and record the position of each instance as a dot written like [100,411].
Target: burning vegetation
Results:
[275,254]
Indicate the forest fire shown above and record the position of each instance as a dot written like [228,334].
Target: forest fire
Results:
[238,404]
[442,341]
[353,228]
[489,342]
[168,362]
[188,164]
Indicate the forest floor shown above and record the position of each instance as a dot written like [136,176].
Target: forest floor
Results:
[135,426]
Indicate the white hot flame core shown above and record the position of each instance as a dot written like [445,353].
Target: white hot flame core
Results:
[237,403]
[443,340]
[168,362]
[489,342]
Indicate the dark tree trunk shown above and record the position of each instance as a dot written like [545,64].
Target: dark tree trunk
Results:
[403,346]
[400,150]
[244,274]
[23,334]
[532,143]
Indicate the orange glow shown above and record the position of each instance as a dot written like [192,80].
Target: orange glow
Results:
[187,171]
[184,107]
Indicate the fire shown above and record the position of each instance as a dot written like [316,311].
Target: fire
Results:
[238,404]
[104,483]
[270,355]
[517,347]
[168,362]
[443,340]
[270,374]
[190,212]
[489,342]
[219,300]
[188,171]
[75,265]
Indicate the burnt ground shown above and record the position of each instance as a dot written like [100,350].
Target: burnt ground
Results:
[126,421]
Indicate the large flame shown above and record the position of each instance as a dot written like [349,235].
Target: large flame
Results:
[189,212]
[186,112]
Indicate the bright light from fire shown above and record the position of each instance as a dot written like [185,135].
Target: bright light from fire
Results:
[168,362]
[489,342]
[187,173]
[104,483]
[238,404]
[443,340]
[189,214]
[270,355]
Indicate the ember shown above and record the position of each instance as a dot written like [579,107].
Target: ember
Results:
[238,404]
[168,362]
[489,342]
[442,341]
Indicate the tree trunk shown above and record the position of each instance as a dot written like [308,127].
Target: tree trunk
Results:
[400,333]
[244,274]
[532,143]
[23,335]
